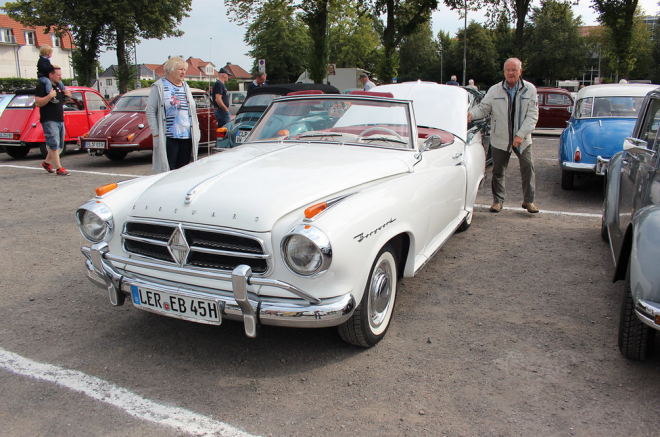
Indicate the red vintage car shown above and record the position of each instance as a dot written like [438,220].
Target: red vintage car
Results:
[20,129]
[555,108]
[126,129]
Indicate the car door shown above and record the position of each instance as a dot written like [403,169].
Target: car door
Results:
[75,116]
[639,164]
[207,122]
[446,178]
[543,111]
[557,109]
[96,107]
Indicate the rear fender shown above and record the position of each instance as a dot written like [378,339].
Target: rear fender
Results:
[613,181]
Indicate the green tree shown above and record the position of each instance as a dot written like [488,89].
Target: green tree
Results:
[504,40]
[272,37]
[618,17]
[419,55]
[481,59]
[555,50]
[352,36]
[446,45]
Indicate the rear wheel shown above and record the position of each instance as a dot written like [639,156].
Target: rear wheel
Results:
[567,179]
[371,319]
[635,337]
[115,155]
[17,151]
[44,150]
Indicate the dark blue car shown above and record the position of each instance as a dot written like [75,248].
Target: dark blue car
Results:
[235,132]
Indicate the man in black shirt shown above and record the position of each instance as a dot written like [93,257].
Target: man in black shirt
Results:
[52,120]
[221,98]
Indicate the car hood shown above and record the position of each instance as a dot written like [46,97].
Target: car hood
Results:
[118,123]
[252,186]
[605,137]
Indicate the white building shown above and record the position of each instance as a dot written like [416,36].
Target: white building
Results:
[19,49]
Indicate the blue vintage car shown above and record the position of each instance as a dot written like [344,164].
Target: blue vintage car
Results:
[235,132]
[603,116]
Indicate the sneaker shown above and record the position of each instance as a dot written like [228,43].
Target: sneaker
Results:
[62,172]
[496,207]
[54,100]
[46,166]
[530,207]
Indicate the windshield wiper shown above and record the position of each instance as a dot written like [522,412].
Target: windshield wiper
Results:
[320,134]
[390,139]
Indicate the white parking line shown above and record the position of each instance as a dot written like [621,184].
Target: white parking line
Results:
[73,171]
[183,420]
[544,211]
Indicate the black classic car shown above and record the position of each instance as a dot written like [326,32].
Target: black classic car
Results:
[631,224]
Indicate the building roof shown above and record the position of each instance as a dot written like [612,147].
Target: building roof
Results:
[145,70]
[41,38]
[237,71]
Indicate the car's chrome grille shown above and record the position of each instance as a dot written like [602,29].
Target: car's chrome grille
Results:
[190,246]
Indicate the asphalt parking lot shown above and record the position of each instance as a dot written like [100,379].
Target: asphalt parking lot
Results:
[509,331]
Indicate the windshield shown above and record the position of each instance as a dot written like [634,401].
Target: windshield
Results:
[131,103]
[339,120]
[619,106]
[22,101]
[260,100]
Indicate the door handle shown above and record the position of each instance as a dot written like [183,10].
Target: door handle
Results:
[458,155]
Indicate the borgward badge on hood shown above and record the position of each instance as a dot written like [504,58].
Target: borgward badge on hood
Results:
[178,246]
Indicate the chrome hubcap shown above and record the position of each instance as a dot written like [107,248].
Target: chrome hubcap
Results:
[380,293]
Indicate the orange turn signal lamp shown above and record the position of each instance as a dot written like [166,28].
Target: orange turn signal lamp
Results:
[221,133]
[315,210]
[105,189]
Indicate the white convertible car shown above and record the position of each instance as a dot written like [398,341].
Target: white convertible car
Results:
[309,223]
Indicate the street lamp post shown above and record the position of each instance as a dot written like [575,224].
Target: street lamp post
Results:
[465,44]
[440,53]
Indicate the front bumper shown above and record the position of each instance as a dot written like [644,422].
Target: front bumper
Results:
[649,313]
[242,303]
[600,168]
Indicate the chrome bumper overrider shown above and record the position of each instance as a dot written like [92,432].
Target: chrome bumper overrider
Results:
[242,303]
[601,165]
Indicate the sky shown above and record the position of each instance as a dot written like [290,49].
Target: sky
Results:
[209,35]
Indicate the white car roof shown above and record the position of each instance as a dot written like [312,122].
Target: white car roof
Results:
[613,90]
[436,106]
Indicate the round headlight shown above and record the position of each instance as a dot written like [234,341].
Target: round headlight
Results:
[92,226]
[306,251]
[94,221]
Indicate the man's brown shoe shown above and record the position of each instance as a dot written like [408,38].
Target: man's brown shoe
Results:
[530,207]
[496,207]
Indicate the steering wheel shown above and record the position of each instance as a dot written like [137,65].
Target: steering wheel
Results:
[399,137]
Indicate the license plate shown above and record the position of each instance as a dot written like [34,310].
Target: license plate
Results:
[242,135]
[94,144]
[8,135]
[177,305]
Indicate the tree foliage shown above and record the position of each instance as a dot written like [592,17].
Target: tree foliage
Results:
[419,56]
[272,37]
[618,17]
[95,25]
[555,49]
[353,36]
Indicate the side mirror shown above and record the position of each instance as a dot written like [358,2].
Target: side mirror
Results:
[635,144]
[432,142]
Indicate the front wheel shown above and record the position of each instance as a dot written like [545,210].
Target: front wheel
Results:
[635,337]
[467,221]
[371,319]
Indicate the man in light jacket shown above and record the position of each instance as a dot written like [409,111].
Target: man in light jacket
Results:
[513,106]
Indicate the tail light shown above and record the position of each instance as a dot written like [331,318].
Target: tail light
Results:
[221,133]
[17,136]
[578,156]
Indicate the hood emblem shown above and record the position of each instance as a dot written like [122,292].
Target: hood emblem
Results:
[178,246]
